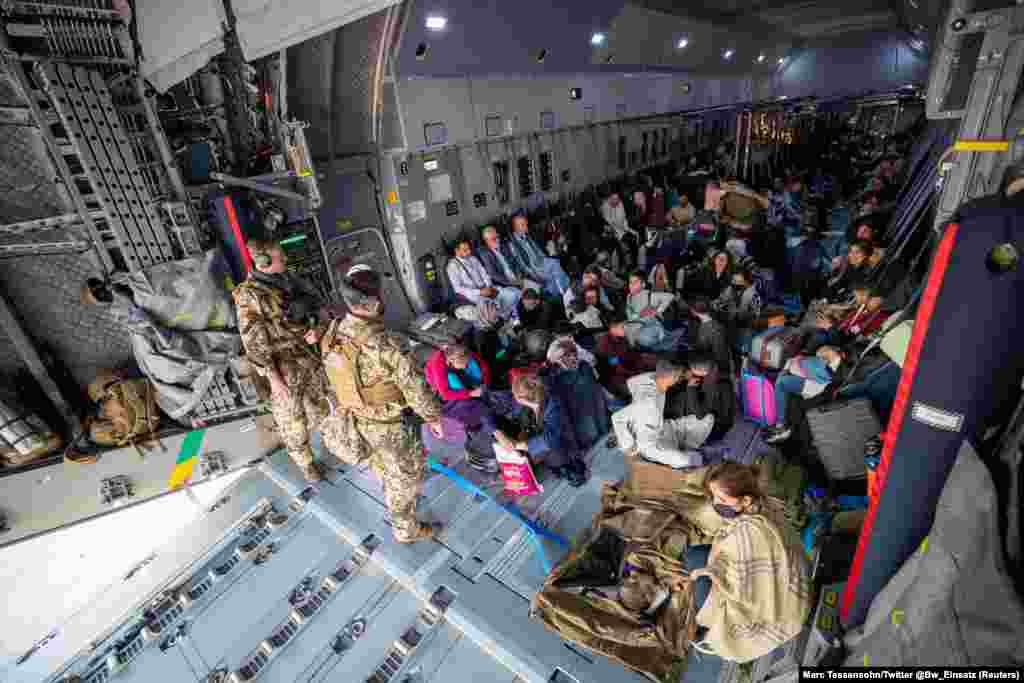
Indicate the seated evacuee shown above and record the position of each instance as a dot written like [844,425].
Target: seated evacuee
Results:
[498,264]
[682,214]
[462,379]
[739,306]
[481,302]
[704,391]
[592,277]
[645,303]
[713,277]
[547,436]
[753,590]
[586,316]
[531,262]
[863,320]
[807,377]
[707,335]
[535,313]
[648,428]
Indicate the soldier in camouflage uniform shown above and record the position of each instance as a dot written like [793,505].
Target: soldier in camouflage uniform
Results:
[376,383]
[276,318]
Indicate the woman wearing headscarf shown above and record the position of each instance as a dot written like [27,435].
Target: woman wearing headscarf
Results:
[574,381]
[752,587]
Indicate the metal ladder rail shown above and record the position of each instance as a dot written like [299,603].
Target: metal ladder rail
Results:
[90,165]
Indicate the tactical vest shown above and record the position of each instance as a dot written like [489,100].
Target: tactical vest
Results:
[128,410]
[341,361]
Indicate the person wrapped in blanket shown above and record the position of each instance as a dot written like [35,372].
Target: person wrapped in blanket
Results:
[651,427]
[585,315]
[753,588]
[462,379]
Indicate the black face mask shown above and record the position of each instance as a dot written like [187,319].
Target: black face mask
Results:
[725,511]
[738,288]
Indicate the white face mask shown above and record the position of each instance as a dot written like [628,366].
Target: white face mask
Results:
[834,364]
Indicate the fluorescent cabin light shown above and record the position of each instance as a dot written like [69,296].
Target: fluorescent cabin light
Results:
[436,23]
[728,54]
[760,58]
[683,42]
[597,39]
[782,60]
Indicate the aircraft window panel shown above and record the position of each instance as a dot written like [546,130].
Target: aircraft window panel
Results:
[435,133]
[588,114]
[525,167]
[547,119]
[501,184]
[492,126]
[440,188]
[547,179]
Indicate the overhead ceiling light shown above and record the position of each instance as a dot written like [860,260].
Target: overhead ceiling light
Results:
[760,58]
[917,44]
[597,39]
[436,23]
[782,60]
[783,97]
[683,42]
[728,54]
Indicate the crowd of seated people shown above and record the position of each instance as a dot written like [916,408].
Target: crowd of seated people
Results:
[657,335]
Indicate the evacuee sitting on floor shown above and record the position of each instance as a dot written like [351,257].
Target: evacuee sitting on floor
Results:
[755,569]
[739,307]
[649,427]
[479,301]
[617,364]
[593,277]
[547,436]
[704,391]
[535,313]
[462,378]
[856,269]
[807,377]
[645,303]
[707,335]
[714,277]
[863,321]
[587,319]
[682,214]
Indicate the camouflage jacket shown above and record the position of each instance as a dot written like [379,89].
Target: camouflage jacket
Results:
[386,357]
[268,336]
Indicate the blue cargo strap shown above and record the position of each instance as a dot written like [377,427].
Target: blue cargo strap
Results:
[535,529]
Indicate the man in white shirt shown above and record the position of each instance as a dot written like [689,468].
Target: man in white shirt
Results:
[614,214]
[483,304]
[642,429]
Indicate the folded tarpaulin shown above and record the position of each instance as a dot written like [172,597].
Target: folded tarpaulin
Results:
[181,319]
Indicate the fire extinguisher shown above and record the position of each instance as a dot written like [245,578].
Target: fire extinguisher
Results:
[432,281]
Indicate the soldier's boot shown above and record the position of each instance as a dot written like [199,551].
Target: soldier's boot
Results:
[313,472]
[423,532]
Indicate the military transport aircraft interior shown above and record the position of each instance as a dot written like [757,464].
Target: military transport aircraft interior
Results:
[424,341]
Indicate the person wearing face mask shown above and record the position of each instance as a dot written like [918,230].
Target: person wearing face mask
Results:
[547,436]
[739,307]
[705,393]
[807,377]
[753,589]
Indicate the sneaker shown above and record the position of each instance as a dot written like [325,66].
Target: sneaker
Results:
[778,435]
[571,475]
[612,442]
[423,532]
[481,463]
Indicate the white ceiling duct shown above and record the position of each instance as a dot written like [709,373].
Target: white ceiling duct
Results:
[177,40]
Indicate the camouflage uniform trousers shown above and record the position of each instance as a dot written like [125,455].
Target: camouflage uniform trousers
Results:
[397,457]
[300,413]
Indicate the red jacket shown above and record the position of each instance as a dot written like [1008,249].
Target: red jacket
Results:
[862,322]
[436,371]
